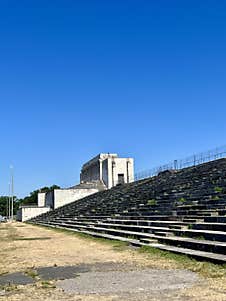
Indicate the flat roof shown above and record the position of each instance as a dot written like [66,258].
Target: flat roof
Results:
[96,158]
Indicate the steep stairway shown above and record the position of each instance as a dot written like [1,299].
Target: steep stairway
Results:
[180,211]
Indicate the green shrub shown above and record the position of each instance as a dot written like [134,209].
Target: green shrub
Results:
[215,198]
[152,202]
[182,200]
[218,189]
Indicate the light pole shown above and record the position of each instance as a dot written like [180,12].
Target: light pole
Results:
[12,191]
[8,207]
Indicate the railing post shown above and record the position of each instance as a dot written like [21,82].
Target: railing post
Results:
[191,161]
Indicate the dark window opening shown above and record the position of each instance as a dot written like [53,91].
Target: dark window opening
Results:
[121,179]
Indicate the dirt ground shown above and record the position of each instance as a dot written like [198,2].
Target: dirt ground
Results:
[24,248]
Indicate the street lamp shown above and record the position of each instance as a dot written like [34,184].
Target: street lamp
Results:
[12,190]
[8,207]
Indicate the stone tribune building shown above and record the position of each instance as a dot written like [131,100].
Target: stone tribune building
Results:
[102,172]
[108,169]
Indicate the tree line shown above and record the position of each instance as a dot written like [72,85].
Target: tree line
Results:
[32,199]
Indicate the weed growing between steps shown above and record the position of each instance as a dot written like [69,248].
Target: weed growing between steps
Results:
[205,269]
[181,200]
[218,189]
[151,202]
[190,226]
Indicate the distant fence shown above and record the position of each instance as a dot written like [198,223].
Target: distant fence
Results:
[211,155]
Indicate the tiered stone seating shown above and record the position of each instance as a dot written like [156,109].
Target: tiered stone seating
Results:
[183,212]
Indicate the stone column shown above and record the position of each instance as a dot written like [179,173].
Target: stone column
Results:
[113,174]
[127,171]
[101,169]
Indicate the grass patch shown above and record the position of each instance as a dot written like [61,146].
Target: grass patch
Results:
[205,269]
[47,284]
[32,238]
[9,288]
[200,237]
[10,249]
[31,273]
[218,189]
[182,200]
[116,244]
[151,202]
[10,235]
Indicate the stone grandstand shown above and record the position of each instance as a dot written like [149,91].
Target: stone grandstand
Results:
[180,211]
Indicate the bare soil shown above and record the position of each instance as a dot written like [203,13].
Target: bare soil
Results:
[26,248]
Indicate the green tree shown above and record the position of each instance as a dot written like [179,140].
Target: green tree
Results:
[28,200]
[4,205]
[33,197]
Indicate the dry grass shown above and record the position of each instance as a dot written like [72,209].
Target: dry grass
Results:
[205,269]
[46,247]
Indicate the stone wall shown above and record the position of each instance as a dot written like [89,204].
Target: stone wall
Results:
[49,199]
[26,213]
[53,200]
[41,199]
[66,196]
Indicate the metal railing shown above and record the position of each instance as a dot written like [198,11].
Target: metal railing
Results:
[211,155]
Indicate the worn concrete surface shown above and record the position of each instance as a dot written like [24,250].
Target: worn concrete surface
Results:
[117,282]
[15,279]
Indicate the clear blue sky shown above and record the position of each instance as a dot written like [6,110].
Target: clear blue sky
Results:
[145,79]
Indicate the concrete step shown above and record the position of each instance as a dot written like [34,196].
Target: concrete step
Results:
[197,244]
[193,233]
[209,226]
[178,227]
[148,240]
[194,244]
[166,234]
[200,255]
[215,219]
[192,220]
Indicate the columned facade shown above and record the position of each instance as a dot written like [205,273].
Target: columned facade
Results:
[108,169]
